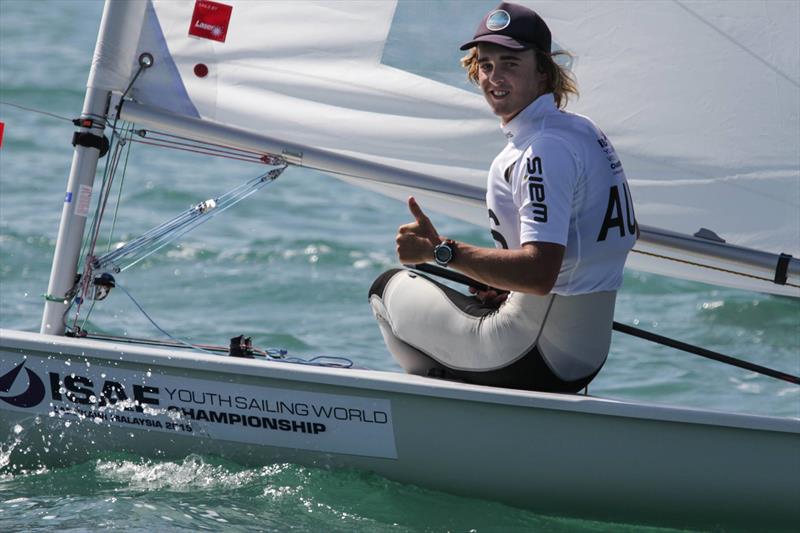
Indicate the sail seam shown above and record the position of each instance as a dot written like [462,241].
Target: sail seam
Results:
[724,34]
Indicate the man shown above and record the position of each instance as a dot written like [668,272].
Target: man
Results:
[562,217]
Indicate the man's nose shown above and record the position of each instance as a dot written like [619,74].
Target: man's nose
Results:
[496,76]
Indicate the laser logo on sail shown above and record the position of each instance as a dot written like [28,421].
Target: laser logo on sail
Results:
[31,396]
[215,30]
[210,20]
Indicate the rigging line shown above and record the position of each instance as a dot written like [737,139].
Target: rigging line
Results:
[164,134]
[275,355]
[158,342]
[88,314]
[158,237]
[142,67]
[754,55]
[159,328]
[111,153]
[719,269]
[271,354]
[110,167]
[64,319]
[107,180]
[703,352]
[89,244]
[190,225]
[168,343]
[105,191]
[201,145]
[47,113]
[451,195]
[119,198]
[161,145]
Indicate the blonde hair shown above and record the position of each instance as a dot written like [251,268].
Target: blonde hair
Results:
[560,80]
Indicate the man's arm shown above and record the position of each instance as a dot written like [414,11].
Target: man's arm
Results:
[533,268]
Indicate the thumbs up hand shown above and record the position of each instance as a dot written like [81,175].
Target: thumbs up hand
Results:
[416,240]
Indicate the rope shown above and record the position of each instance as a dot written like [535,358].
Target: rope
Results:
[272,354]
[216,153]
[88,248]
[119,198]
[718,269]
[33,110]
[176,142]
[165,233]
[222,147]
[209,147]
[155,325]
[108,175]
[703,352]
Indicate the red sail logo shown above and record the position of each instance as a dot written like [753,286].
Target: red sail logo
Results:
[210,20]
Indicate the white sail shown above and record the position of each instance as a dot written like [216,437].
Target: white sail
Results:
[702,101]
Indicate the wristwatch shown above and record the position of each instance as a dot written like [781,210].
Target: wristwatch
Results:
[445,252]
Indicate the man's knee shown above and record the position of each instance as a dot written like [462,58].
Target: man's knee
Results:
[381,281]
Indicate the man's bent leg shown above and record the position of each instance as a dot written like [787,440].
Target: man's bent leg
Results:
[421,320]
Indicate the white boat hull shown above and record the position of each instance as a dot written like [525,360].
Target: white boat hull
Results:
[556,454]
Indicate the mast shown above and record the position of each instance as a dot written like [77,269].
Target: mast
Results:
[111,70]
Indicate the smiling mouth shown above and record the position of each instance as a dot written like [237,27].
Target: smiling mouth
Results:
[498,94]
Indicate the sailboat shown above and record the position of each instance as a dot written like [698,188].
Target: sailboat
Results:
[299,84]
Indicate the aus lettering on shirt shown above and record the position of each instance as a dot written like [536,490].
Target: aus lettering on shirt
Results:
[616,217]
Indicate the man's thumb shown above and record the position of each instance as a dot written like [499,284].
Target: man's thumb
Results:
[416,210]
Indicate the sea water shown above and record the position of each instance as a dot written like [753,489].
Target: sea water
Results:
[289,267]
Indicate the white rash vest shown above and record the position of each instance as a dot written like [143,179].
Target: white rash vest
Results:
[559,180]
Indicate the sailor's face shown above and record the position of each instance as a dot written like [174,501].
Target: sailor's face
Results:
[509,79]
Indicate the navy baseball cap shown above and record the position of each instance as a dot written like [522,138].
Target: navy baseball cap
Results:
[512,26]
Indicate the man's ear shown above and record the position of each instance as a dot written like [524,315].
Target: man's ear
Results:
[540,68]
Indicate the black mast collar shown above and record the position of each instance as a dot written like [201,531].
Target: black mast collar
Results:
[91,140]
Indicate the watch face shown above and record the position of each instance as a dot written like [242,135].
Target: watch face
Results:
[443,254]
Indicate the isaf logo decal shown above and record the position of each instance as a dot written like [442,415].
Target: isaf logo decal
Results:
[30,397]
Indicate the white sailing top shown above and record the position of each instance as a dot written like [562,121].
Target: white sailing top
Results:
[559,180]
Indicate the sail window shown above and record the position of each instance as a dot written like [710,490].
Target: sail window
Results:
[200,70]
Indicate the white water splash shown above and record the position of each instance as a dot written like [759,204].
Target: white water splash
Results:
[8,447]
[190,474]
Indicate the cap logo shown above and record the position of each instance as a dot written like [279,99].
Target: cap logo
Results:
[498,20]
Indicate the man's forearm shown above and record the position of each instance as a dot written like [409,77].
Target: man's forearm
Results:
[533,268]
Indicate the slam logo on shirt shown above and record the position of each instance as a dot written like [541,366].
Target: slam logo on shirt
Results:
[536,189]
